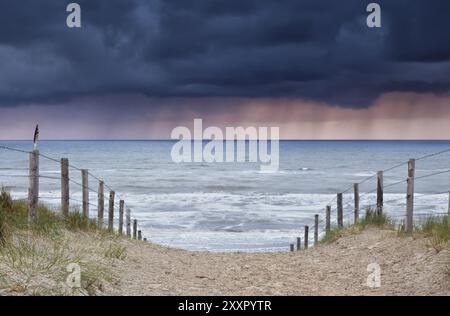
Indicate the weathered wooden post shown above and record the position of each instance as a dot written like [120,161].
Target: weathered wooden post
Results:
[299,243]
[379,192]
[85,190]
[101,204]
[316,229]
[356,198]
[134,228]
[292,247]
[306,237]
[121,206]
[328,218]
[448,216]
[340,211]
[33,190]
[65,187]
[410,196]
[111,211]
[139,235]
[128,222]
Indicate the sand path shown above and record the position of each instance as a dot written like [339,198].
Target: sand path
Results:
[408,267]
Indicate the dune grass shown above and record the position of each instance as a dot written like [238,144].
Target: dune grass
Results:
[434,228]
[116,252]
[34,258]
[14,215]
[371,219]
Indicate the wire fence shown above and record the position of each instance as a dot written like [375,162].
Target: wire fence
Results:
[77,203]
[352,208]
[342,212]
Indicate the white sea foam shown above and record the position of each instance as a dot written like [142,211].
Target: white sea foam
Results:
[228,207]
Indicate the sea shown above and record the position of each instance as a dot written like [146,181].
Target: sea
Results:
[235,206]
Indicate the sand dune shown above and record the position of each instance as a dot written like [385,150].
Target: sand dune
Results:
[408,267]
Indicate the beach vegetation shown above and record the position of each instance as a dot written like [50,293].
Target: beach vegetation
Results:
[34,258]
[371,219]
[434,228]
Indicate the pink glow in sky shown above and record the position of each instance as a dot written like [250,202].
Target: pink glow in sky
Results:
[392,116]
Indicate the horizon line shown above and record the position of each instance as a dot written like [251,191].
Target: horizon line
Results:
[169,139]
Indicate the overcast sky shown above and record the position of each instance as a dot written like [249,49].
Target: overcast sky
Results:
[138,68]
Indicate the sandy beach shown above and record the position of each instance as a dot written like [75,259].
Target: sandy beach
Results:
[408,267]
[114,265]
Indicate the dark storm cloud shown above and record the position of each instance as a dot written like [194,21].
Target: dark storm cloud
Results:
[320,50]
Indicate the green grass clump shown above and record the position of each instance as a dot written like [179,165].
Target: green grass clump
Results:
[14,216]
[34,257]
[76,221]
[116,251]
[5,208]
[437,231]
[332,235]
[371,219]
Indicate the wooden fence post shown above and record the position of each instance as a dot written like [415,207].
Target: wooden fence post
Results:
[134,228]
[448,216]
[340,211]
[299,243]
[111,211]
[139,235]
[85,190]
[306,236]
[356,198]
[316,229]
[33,190]
[128,222]
[380,192]
[328,218]
[101,204]
[65,187]
[121,206]
[291,246]
[410,196]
